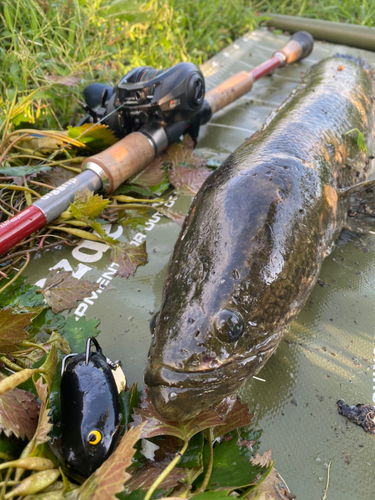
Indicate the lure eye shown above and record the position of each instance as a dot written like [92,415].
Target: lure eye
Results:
[228,325]
[94,437]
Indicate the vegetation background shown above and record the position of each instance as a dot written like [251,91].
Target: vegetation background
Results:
[61,46]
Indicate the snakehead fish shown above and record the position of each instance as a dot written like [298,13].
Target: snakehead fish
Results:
[254,240]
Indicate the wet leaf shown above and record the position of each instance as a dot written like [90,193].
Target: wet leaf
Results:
[19,411]
[109,479]
[271,486]
[57,176]
[234,413]
[156,426]
[144,476]
[87,204]
[62,290]
[187,172]
[77,332]
[174,215]
[22,171]
[192,457]
[211,495]
[187,179]
[13,329]
[128,401]
[44,424]
[97,137]
[152,175]
[224,475]
[128,257]
[48,368]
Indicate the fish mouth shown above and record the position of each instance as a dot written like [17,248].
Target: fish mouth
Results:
[180,395]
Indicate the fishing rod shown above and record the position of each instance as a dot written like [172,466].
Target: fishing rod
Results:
[148,110]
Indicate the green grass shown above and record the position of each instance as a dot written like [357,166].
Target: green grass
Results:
[102,39]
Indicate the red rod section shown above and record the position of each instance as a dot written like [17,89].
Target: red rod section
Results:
[265,68]
[19,227]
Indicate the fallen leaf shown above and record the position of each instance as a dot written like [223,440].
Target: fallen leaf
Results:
[152,175]
[128,258]
[56,176]
[226,477]
[13,329]
[47,369]
[19,411]
[154,425]
[174,215]
[22,171]
[63,291]
[69,81]
[97,137]
[88,204]
[234,414]
[44,424]
[109,479]
[187,179]
[144,476]
[187,172]
[272,488]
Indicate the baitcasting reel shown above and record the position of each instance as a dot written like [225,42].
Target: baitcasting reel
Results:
[146,95]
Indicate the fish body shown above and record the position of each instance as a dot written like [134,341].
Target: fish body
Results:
[90,412]
[253,242]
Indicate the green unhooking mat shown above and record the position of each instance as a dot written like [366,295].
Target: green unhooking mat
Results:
[328,352]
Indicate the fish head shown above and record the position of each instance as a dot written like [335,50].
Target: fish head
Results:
[212,332]
[90,413]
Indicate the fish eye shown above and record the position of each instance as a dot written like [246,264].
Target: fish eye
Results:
[94,437]
[228,325]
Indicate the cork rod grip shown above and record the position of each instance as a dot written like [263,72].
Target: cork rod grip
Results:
[124,159]
[299,46]
[229,91]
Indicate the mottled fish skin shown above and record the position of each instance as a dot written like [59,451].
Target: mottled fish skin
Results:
[89,407]
[254,240]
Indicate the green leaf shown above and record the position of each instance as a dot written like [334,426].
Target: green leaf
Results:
[194,453]
[128,401]
[231,468]
[8,293]
[25,296]
[156,426]
[212,495]
[97,137]
[87,204]
[63,291]
[13,329]
[128,257]
[22,171]
[360,139]
[77,332]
